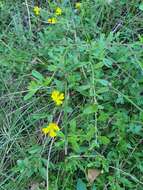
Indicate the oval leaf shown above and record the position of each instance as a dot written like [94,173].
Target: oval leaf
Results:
[141,6]
[90,109]
[37,75]
[80,185]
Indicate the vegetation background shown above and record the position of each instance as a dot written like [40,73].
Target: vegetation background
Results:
[94,55]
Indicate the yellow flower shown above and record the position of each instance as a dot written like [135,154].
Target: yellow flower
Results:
[52,20]
[36,10]
[57,97]
[78,5]
[58,11]
[51,130]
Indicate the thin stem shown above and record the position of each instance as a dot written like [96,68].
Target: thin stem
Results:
[48,161]
[49,153]
[127,174]
[28,15]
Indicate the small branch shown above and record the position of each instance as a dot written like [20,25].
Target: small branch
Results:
[117,26]
[127,174]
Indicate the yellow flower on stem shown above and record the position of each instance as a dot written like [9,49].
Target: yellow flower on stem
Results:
[36,10]
[78,5]
[58,11]
[52,20]
[57,97]
[51,130]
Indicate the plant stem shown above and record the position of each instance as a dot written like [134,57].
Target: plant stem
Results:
[49,153]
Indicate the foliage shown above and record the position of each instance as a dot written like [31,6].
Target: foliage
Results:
[93,54]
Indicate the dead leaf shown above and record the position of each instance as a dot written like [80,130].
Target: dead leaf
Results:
[92,174]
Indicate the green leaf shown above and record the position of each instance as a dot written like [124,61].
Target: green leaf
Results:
[98,65]
[126,182]
[83,88]
[140,38]
[73,126]
[47,81]
[33,88]
[39,116]
[90,109]
[52,68]
[135,129]
[35,149]
[60,84]
[80,185]
[94,188]
[67,109]
[102,90]
[43,172]
[104,140]
[73,140]
[103,82]
[91,130]
[108,62]
[21,165]
[141,6]
[37,75]
[29,95]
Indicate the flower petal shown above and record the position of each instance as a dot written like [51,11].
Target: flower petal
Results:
[52,134]
[45,130]
[61,96]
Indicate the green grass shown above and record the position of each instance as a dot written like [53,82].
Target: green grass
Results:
[95,57]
